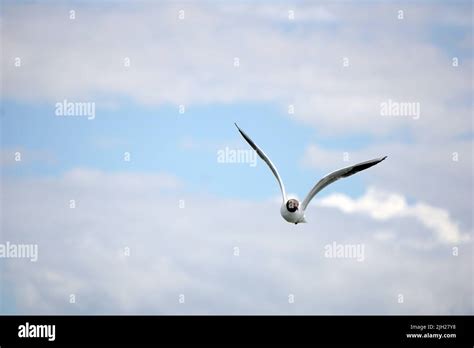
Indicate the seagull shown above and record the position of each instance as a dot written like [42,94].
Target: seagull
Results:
[291,210]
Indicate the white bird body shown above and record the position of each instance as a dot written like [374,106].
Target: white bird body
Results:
[291,210]
[293,217]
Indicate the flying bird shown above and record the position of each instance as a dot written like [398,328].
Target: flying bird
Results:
[291,210]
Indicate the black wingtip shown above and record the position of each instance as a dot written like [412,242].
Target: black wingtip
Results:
[384,157]
[240,130]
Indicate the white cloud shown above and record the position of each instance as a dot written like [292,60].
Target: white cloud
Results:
[381,205]
[191,61]
[133,182]
[190,251]
[438,173]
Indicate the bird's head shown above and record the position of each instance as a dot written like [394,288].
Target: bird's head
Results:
[292,205]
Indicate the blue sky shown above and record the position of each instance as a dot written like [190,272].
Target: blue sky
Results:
[154,138]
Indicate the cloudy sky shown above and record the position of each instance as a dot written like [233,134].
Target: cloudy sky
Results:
[132,210]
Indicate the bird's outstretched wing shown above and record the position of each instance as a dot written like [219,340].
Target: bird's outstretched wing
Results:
[266,159]
[338,174]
